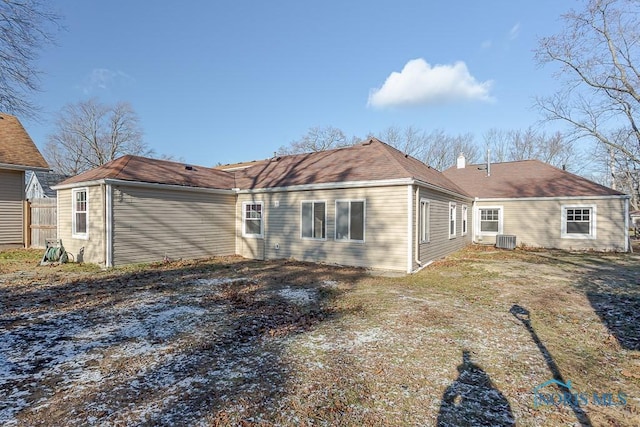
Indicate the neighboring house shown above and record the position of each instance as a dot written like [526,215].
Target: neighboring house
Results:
[367,205]
[39,184]
[543,206]
[18,153]
[634,216]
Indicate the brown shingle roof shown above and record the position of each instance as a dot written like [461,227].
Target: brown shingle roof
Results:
[526,178]
[370,161]
[142,169]
[16,146]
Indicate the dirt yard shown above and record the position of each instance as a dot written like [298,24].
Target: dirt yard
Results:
[234,342]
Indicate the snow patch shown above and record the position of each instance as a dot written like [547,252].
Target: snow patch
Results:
[217,281]
[300,296]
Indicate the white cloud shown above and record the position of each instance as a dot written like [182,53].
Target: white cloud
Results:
[514,31]
[422,84]
[104,79]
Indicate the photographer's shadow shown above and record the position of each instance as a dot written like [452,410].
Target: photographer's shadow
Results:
[472,400]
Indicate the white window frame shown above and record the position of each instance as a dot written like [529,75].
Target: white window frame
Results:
[74,211]
[364,220]
[500,210]
[465,219]
[453,213]
[592,222]
[424,219]
[313,210]
[244,219]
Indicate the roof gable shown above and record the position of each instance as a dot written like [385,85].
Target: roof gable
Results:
[16,146]
[522,179]
[48,180]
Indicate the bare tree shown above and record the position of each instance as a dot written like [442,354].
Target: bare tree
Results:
[512,145]
[26,27]
[498,141]
[89,134]
[409,140]
[596,52]
[318,139]
[436,148]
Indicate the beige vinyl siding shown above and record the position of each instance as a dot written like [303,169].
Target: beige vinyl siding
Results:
[150,224]
[94,244]
[537,223]
[11,207]
[440,245]
[385,241]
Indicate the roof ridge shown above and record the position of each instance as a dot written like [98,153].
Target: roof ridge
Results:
[386,148]
[128,157]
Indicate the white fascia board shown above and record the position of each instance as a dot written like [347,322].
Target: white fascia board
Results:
[440,189]
[22,167]
[331,186]
[158,186]
[536,199]
[79,184]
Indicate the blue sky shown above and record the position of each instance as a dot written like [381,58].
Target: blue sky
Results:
[230,81]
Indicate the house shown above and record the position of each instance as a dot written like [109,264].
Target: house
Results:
[39,184]
[18,153]
[634,216]
[543,206]
[367,205]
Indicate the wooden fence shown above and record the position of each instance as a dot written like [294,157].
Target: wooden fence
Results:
[42,221]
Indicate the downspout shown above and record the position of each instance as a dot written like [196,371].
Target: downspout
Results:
[627,238]
[109,226]
[409,230]
[417,230]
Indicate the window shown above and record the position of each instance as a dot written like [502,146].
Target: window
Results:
[464,220]
[579,222]
[314,224]
[489,220]
[425,219]
[80,212]
[452,219]
[350,220]
[252,215]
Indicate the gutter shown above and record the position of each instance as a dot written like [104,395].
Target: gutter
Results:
[142,184]
[23,167]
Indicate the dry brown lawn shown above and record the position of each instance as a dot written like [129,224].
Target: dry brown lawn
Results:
[229,341]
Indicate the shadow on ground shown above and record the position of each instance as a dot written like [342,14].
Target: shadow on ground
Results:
[473,400]
[172,346]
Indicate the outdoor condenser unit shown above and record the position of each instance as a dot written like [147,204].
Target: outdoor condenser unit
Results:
[506,241]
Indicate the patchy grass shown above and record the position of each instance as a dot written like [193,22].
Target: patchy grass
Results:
[229,341]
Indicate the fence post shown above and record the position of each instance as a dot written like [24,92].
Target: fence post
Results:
[27,224]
